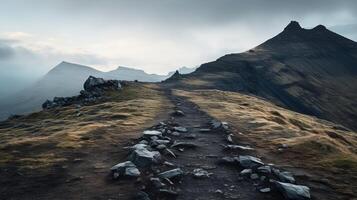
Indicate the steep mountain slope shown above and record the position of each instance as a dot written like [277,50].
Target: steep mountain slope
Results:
[312,71]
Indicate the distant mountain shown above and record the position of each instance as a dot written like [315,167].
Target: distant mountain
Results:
[131,74]
[312,71]
[66,79]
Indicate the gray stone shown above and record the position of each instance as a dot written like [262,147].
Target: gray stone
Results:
[246,172]
[174,173]
[184,145]
[163,141]
[167,192]
[293,192]
[160,147]
[142,196]
[144,142]
[284,176]
[156,182]
[180,129]
[229,138]
[149,133]
[144,158]
[205,130]
[169,152]
[254,176]
[238,147]
[178,113]
[175,133]
[264,169]
[132,171]
[201,173]
[127,168]
[265,190]
[250,162]
[218,191]
[229,160]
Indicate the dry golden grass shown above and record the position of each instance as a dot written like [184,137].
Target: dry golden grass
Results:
[320,146]
[44,138]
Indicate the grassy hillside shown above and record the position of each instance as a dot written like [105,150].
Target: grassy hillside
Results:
[325,152]
[71,149]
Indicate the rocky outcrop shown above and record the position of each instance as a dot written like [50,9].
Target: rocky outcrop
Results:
[94,89]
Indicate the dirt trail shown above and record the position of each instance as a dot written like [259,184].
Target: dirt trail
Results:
[225,178]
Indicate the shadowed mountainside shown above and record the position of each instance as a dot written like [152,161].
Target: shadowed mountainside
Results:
[312,71]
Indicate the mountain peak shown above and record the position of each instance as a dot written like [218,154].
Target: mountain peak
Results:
[293,26]
[320,28]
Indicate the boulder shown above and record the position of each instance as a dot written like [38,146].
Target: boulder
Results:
[293,192]
[93,84]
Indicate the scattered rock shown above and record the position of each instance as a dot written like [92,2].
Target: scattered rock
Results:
[264,169]
[174,173]
[142,196]
[184,145]
[168,193]
[201,173]
[254,176]
[190,136]
[150,133]
[218,191]
[205,130]
[175,133]
[237,147]
[144,158]
[286,177]
[229,138]
[180,129]
[169,152]
[160,147]
[156,182]
[293,192]
[178,113]
[217,124]
[125,169]
[169,164]
[265,190]
[229,160]
[246,172]
[250,162]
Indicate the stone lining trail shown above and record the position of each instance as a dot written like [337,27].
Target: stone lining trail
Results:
[190,158]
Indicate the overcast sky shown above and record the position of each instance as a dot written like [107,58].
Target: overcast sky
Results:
[157,36]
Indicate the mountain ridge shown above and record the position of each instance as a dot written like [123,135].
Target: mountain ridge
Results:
[311,71]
